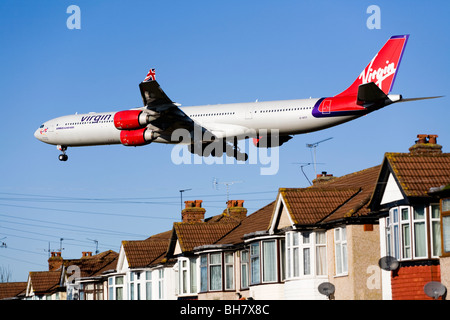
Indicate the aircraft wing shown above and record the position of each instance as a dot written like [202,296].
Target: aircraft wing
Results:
[170,116]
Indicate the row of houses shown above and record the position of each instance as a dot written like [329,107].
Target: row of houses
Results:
[379,233]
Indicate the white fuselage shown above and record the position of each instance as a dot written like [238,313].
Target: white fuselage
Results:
[289,117]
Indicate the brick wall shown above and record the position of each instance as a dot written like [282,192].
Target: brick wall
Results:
[408,281]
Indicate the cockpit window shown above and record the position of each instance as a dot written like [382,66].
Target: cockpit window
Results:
[41,126]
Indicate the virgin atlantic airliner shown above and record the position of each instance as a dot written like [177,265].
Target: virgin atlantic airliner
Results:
[159,117]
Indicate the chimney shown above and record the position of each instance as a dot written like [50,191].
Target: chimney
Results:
[55,261]
[235,209]
[323,177]
[426,144]
[193,211]
[86,254]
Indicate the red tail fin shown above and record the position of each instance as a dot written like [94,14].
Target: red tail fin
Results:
[383,68]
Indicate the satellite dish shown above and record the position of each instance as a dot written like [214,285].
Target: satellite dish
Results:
[326,288]
[388,263]
[434,289]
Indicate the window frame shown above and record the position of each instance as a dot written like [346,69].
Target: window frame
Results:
[445,229]
[341,252]
[297,243]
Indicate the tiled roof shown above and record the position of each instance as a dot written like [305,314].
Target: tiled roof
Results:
[308,206]
[10,290]
[418,173]
[45,282]
[257,221]
[91,266]
[195,234]
[143,253]
[365,180]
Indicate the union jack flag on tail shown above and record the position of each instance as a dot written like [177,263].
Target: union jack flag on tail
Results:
[151,76]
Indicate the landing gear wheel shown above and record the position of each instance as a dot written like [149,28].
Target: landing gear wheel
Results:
[63,156]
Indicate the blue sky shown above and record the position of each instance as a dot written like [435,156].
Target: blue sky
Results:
[204,52]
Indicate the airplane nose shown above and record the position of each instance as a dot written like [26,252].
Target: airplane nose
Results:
[37,134]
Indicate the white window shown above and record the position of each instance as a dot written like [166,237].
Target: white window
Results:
[244,269]
[406,233]
[215,271]
[420,236]
[204,273]
[188,276]
[292,254]
[305,254]
[229,271]
[435,226]
[160,284]
[340,242]
[255,266]
[269,261]
[148,285]
[134,285]
[321,254]
[115,285]
[445,220]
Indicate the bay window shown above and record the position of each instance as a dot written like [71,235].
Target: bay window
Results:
[411,230]
[305,254]
[217,271]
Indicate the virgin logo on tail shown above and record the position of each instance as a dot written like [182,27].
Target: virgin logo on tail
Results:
[382,69]
[377,76]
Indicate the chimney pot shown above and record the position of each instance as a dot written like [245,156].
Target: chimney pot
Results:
[426,144]
[235,209]
[193,212]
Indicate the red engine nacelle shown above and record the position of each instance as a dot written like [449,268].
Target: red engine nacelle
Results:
[132,119]
[270,141]
[137,137]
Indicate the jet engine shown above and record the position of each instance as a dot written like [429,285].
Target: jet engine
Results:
[133,119]
[138,137]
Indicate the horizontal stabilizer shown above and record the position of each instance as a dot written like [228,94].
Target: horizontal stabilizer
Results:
[422,98]
[369,93]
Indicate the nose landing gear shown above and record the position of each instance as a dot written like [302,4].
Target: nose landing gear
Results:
[63,156]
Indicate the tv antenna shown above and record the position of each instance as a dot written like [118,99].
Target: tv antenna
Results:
[96,245]
[60,244]
[434,289]
[327,289]
[313,146]
[305,164]
[49,250]
[228,184]
[181,196]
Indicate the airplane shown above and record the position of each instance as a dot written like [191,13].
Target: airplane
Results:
[225,124]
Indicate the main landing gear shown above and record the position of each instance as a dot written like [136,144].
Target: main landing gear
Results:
[63,156]
[217,149]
